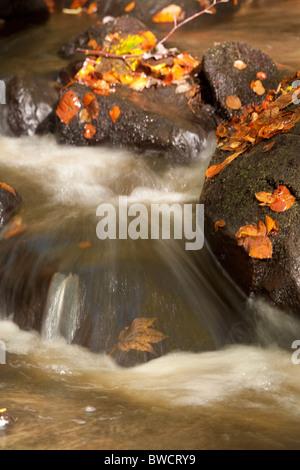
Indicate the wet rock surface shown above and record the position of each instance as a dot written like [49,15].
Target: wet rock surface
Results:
[224,79]
[29,103]
[158,120]
[21,14]
[230,196]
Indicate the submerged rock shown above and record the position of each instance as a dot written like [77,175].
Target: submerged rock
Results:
[230,196]
[232,69]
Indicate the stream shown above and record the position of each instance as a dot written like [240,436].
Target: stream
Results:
[227,380]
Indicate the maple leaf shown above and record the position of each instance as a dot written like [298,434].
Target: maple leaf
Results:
[139,336]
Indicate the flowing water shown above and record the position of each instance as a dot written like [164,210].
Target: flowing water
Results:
[226,378]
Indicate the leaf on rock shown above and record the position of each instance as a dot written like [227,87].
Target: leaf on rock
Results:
[233,102]
[169,14]
[258,248]
[89,131]
[258,87]
[258,230]
[219,224]
[272,226]
[215,169]
[91,104]
[240,64]
[280,201]
[114,113]
[139,336]
[261,75]
[68,107]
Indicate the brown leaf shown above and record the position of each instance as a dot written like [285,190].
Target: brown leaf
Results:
[233,102]
[219,224]
[91,104]
[269,146]
[206,4]
[68,107]
[240,65]
[258,87]
[139,336]
[168,14]
[258,248]
[114,113]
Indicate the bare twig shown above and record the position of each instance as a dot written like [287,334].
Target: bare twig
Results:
[110,55]
[191,18]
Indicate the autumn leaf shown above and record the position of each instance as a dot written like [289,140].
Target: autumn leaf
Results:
[233,102]
[261,75]
[269,146]
[84,245]
[258,247]
[280,201]
[240,64]
[258,230]
[68,107]
[8,188]
[78,4]
[215,169]
[129,7]
[272,226]
[92,9]
[168,14]
[139,336]
[219,224]
[89,131]
[114,113]
[91,104]
[258,87]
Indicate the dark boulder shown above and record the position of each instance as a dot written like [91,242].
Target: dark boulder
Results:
[29,104]
[154,120]
[9,203]
[20,14]
[230,196]
[224,79]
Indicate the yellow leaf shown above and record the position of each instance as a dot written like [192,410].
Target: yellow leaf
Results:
[168,14]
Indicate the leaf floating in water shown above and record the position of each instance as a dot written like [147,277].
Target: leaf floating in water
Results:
[114,113]
[68,107]
[84,245]
[169,14]
[139,336]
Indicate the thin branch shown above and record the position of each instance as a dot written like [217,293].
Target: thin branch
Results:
[110,55]
[191,18]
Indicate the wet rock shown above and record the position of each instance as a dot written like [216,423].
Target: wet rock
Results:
[226,80]
[230,196]
[155,120]
[29,104]
[9,203]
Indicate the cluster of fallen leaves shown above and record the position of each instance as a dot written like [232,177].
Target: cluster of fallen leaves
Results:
[139,336]
[128,60]
[255,239]
[258,123]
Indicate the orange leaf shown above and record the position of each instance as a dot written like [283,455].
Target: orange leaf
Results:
[233,102]
[130,7]
[8,188]
[215,169]
[92,44]
[139,83]
[219,224]
[92,9]
[258,87]
[91,104]
[114,113]
[68,107]
[20,228]
[258,248]
[77,4]
[240,65]
[187,61]
[206,4]
[168,14]
[265,198]
[139,336]
[84,245]
[89,131]
[281,200]
[272,226]
[261,75]
[258,230]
